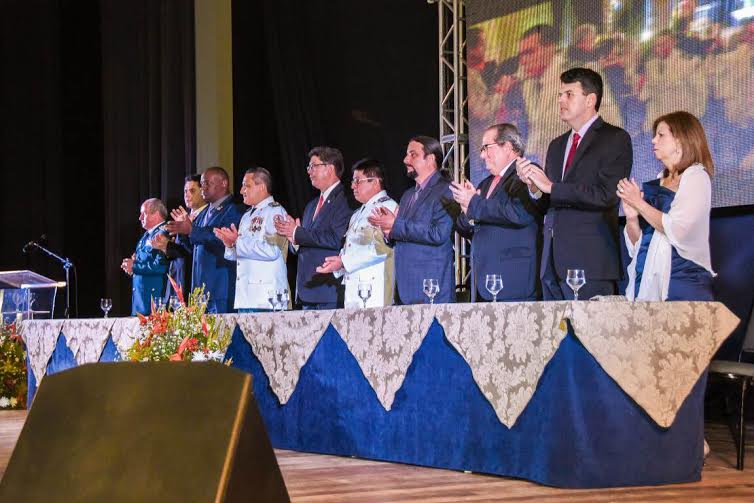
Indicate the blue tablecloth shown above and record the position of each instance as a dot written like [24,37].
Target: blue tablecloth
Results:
[579,430]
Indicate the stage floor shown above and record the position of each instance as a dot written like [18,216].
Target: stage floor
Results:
[332,479]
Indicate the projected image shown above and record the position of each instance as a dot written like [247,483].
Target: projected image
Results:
[655,56]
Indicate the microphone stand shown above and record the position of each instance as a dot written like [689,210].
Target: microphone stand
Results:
[67,265]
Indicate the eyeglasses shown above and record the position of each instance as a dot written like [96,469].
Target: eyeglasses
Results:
[312,166]
[486,146]
[359,181]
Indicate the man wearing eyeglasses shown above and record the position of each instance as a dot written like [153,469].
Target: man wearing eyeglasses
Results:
[501,220]
[319,233]
[366,261]
[422,227]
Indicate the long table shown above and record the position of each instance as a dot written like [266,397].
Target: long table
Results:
[565,394]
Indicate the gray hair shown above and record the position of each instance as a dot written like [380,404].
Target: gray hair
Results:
[154,204]
[509,133]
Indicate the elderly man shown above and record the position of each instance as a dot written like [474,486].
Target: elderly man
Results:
[577,191]
[422,227]
[259,251]
[320,232]
[501,220]
[210,268]
[148,266]
[366,261]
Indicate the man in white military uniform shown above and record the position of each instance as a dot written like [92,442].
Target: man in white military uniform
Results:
[365,258]
[258,249]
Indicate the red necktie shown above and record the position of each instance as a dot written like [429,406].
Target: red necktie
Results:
[319,206]
[495,180]
[572,152]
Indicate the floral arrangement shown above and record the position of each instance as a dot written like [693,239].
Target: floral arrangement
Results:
[13,383]
[187,333]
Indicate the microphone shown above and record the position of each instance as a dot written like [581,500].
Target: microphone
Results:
[30,244]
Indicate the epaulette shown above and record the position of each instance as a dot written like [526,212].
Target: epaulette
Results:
[274,204]
[383,199]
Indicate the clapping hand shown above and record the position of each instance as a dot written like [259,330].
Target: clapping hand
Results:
[159,242]
[522,164]
[181,223]
[286,226]
[330,265]
[383,218]
[462,193]
[533,175]
[179,214]
[128,265]
[228,235]
[631,197]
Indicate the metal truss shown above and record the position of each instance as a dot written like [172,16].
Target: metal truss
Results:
[453,110]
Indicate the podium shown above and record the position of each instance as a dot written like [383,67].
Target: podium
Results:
[26,295]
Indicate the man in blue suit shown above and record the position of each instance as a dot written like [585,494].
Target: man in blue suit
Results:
[577,190]
[501,219]
[320,232]
[148,266]
[209,267]
[422,227]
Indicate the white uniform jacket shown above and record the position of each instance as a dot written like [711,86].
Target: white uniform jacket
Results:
[367,258]
[261,254]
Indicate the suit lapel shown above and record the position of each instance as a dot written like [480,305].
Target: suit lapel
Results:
[555,171]
[325,206]
[586,141]
[425,192]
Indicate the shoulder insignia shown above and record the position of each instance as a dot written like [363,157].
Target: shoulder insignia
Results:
[274,204]
[383,199]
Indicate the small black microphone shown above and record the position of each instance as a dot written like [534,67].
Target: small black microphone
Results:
[28,245]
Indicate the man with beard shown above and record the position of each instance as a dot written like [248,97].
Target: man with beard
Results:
[422,227]
[210,268]
[318,234]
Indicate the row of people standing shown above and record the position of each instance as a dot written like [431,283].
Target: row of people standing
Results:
[525,222]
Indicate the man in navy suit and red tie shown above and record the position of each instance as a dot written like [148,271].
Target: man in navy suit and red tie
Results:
[210,268]
[319,233]
[577,190]
[422,228]
[501,219]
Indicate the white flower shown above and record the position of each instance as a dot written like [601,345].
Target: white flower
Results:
[216,356]
[198,356]
[4,402]
[13,401]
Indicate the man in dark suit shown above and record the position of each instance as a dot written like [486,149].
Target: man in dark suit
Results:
[210,268]
[577,190]
[320,232]
[422,227]
[148,266]
[501,219]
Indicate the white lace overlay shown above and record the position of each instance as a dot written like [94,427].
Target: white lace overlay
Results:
[283,343]
[655,351]
[507,346]
[383,341]
[86,338]
[40,337]
[125,331]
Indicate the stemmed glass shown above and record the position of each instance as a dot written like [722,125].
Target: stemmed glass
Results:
[365,291]
[282,296]
[174,303]
[493,283]
[431,288]
[575,278]
[18,299]
[272,299]
[106,305]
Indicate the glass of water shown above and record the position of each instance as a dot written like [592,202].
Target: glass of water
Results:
[365,291]
[493,283]
[431,288]
[174,303]
[575,278]
[106,305]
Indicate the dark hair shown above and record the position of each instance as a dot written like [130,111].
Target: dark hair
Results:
[329,155]
[508,133]
[218,171]
[590,81]
[688,131]
[193,178]
[372,168]
[545,31]
[261,175]
[430,146]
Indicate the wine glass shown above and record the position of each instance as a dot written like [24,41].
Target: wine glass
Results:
[18,299]
[174,303]
[365,291]
[282,296]
[431,288]
[159,303]
[106,305]
[575,278]
[493,283]
[272,298]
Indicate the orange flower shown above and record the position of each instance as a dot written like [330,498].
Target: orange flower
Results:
[177,290]
[176,357]
[205,328]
